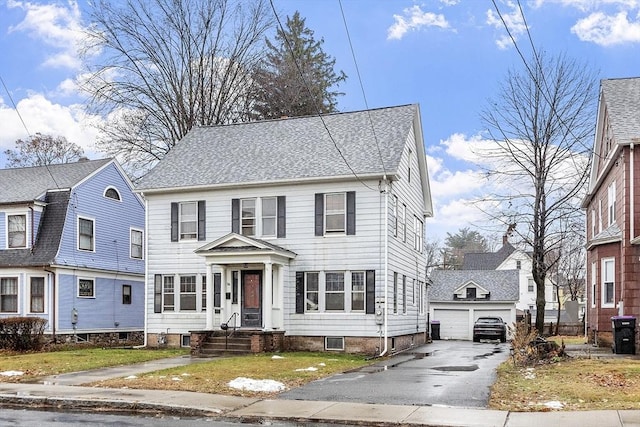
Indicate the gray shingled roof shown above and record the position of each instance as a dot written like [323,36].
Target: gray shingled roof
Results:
[286,149]
[503,284]
[487,260]
[28,184]
[622,98]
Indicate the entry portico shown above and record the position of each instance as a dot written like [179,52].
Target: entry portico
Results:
[245,282]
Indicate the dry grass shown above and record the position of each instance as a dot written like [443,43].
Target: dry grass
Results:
[43,364]
[291,369]
[577,384]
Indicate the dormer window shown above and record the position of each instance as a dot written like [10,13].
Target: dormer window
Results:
[112,193]
[471,293]
[17,231]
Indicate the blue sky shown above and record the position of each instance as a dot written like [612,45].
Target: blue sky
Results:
[449,56]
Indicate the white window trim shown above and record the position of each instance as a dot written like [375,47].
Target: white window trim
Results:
[93,280]
[403,214]
[44,295]
[131,230]
[611,203]
[326,212]
[350,292]
[93,230]
[594,283]
[419,233]
[344,292]
[111,187]
[27,226]
[603,303]
[259,217]
[17,294]
[318,291]
[180,221]
[394,224]
[180,293]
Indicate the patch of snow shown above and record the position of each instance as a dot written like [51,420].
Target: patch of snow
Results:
[275,356]
[11,373]
[554,404]
[131,377]
[529,374]
[184,374]
[310,369]
[243,383]
[321,364]
[176,379]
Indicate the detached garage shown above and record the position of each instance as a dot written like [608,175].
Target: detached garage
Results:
[458,297]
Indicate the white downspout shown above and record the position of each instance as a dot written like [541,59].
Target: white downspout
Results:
[386,264]
[146,270]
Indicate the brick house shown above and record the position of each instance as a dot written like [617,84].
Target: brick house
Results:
[611,206]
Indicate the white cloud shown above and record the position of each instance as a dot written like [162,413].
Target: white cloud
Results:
[414,18]
[42,115]
[57,25]
[587,5]
[607,30]
[514,21]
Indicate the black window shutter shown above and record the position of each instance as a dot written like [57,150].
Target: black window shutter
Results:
[157,293]
[202,220]
[370,292]
[351,212]
[282,217]
[235,215]
[299,292]
[174,222]
[319,214]
[217,281]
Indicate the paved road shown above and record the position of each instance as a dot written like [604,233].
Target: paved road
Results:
[452,373]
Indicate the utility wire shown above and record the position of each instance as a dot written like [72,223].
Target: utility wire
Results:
[15,107]
[364,96]
[319,114]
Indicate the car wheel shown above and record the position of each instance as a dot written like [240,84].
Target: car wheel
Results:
[503,338]
[476,339]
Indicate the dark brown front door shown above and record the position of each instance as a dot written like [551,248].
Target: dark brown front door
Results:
[251,311]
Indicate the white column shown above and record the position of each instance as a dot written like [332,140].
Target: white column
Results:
[267,296]
[224,310]
[209,297]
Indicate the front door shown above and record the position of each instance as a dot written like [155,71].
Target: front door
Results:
[251,310]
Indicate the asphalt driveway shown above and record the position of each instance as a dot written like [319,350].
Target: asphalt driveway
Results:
[449,373]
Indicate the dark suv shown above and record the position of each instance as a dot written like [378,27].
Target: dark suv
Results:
[490,328]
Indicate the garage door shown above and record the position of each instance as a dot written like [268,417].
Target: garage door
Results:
[454,324]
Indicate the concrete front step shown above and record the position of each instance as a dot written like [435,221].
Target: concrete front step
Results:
[216,345]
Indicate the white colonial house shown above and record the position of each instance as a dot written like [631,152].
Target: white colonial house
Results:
[300,233]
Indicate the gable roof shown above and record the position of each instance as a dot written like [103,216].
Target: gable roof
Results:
[503,284]
[619,103]
[49,235]
[32,183]
[487,260]
[288,150]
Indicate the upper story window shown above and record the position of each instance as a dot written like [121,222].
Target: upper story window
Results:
[259,216]
[86,233]
[335,213]
[188,220]
[518,265]
[403,222]
[593,223]
[136,244]
[410,166]
[17,231]
[611,203]
[419,228]
[112,193]
[394,210]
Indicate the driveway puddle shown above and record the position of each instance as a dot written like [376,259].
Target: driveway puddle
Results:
[468,368]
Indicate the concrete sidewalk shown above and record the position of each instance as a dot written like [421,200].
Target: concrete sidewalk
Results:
[56,392]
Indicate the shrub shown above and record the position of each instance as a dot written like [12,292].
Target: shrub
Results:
[22,333]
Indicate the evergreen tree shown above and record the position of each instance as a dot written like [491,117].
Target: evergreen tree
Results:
[297,76]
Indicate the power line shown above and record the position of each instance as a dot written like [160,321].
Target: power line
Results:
[313,98]
[364,96]
[15,107]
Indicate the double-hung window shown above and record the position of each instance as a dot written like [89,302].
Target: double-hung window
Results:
[86,233]
[8,295]
[126,294]
[136,244]
[608,282]
[17,231]
[611,203]
[248,211]
[334,291]
[168,293]
[36,295]
[357,290]
[188,220]
[335,212]
[269,216]
[311,291]
[394,210]
[187,293]
[419,227]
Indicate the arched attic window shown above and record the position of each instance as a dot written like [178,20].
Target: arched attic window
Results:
[112,193]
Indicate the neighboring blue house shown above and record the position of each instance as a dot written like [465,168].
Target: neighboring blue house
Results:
[72,249]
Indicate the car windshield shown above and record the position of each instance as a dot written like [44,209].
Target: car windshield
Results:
[489,320]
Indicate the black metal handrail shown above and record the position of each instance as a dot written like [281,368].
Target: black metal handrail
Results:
[225,327]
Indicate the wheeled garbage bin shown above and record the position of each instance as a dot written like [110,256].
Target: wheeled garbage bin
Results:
[624,334]
[435,329]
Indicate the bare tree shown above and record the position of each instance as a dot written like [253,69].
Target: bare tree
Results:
[40,150]
[164,66]
[541,126]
